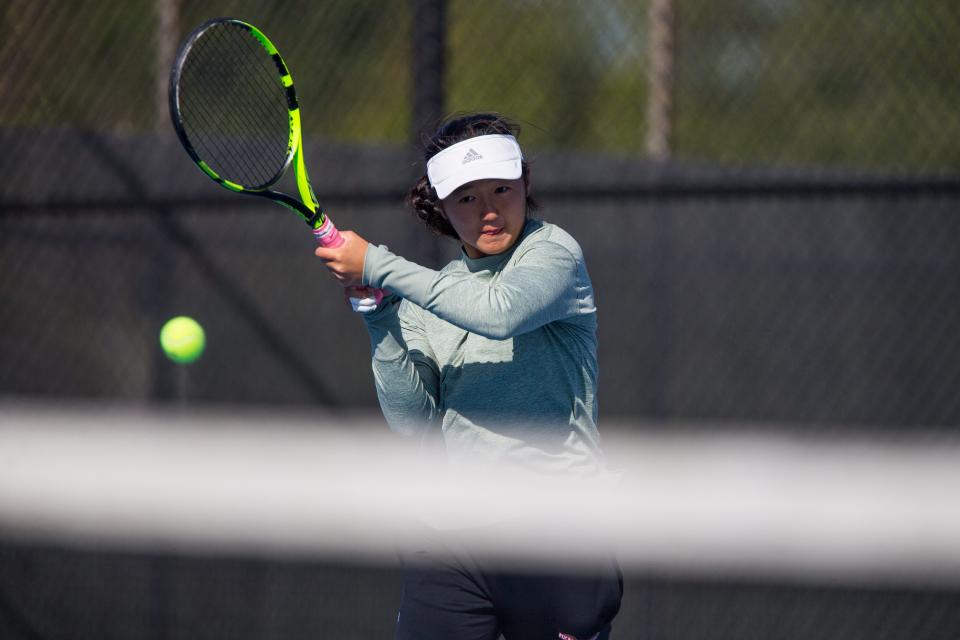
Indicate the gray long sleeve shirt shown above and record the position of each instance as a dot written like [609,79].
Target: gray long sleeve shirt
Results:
[496,358]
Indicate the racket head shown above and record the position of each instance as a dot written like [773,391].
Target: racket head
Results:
[234,106]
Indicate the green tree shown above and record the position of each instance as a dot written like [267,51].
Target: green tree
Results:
[865,83]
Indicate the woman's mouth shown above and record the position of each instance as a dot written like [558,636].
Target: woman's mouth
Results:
[491,231]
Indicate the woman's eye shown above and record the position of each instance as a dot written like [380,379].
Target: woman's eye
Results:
[503,189]
[466,199]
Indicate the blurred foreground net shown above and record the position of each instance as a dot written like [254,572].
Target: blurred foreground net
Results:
[153,524]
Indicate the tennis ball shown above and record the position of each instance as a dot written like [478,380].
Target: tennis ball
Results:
[182,339]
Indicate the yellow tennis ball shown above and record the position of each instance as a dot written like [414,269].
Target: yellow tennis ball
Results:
[182,339]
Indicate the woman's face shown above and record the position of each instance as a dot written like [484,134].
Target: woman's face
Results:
[488,215]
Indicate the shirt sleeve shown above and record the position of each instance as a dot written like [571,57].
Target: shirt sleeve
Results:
[404,368]
[539,287]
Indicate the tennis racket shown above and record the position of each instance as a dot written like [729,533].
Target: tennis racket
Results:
[235,109]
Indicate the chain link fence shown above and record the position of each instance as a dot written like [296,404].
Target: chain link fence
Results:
[766,191]
[772,182]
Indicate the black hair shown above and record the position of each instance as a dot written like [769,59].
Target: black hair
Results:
[422,199]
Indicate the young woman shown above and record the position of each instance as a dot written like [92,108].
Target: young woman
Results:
[494,358]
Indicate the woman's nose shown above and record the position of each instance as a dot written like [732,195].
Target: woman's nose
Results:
[489,208]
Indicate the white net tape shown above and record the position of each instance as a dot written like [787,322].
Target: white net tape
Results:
[732,504]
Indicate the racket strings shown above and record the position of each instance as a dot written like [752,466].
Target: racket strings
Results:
[266,85]
[234,107]
[211,147]
[238,156]
[253,107]
[240,167]
[232,158]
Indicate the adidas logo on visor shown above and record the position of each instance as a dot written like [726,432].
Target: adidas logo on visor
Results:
[471,156]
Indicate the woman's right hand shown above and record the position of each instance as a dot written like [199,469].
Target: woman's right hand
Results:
[345,261]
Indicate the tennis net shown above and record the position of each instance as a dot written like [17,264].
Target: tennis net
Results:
[286,509]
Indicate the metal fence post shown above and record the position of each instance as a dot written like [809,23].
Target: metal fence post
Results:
[167,34]
[661,32]
[429,51]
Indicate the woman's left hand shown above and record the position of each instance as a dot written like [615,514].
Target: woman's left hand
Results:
[346,261]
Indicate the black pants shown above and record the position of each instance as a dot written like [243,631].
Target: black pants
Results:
[447,598]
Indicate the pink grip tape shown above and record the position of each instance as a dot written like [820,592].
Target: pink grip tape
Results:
[327,234]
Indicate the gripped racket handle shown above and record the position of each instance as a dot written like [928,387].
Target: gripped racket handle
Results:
[328,236]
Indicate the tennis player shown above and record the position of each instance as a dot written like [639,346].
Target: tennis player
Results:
[494,358]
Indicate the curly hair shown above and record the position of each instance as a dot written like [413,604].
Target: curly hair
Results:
[422,199]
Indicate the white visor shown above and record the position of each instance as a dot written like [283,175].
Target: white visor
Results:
[481,158]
